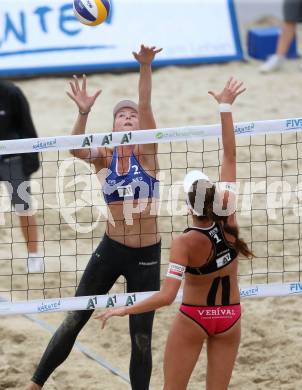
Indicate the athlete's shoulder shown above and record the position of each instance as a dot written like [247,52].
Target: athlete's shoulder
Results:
[179,248]
[181,241]
[189,238]
[180,238]
[100,157]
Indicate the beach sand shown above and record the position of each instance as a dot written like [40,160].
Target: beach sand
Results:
[269,356]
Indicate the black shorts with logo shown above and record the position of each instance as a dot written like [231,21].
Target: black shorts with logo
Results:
[292,11]
[16,182]
[139,266]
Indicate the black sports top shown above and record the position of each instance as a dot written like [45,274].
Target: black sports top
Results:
[15,117]
[222,253]
[16,122]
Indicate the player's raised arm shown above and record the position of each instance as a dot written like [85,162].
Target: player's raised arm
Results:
[226,98]
[145,58]
[84,103]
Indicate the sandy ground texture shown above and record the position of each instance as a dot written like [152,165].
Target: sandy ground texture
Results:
[271,335]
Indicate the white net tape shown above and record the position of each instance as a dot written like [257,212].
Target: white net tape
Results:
[147,136]
[117,300]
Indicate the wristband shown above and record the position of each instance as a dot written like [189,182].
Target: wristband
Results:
[84,113]
[225,107]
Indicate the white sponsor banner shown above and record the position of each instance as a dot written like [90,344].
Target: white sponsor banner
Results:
[187,133]
[117,300]
[39,36]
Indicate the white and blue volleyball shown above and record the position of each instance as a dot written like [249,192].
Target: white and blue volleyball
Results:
[91,12]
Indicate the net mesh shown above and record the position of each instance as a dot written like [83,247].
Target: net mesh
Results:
[71,213]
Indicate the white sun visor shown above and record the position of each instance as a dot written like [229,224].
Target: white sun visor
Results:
[193,176]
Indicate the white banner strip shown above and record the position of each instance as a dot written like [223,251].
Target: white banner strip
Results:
[188,133]
[116,300]
[43,36]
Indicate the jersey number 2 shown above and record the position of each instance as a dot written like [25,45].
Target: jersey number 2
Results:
[135,167]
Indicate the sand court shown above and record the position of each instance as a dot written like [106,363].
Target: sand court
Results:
[271,331]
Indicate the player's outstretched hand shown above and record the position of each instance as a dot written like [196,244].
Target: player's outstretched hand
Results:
[232,89]
[146,54]
[79,94]
[104,317]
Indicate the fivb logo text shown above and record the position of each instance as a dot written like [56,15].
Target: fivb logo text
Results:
[295,288]
[294,124]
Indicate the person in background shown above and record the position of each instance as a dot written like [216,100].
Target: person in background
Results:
[292,15]
[15,170]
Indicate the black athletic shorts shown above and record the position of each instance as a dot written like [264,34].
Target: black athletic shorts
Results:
[17,184]
[139,266]
[292,11]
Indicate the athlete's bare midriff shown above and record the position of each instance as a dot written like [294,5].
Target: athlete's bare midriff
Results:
[196,287]
[133,223]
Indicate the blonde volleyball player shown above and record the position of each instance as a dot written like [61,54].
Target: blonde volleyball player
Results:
[131,245]
[207,254]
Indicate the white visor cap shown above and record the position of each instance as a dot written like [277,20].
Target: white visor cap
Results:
[192,177]
[124,104]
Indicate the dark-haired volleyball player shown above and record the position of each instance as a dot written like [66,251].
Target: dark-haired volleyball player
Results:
[207,254]
[131,244]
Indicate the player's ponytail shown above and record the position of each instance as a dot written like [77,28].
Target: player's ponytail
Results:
[204,209]
[240,245]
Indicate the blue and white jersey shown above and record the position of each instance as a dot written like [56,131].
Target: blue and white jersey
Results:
[135,184]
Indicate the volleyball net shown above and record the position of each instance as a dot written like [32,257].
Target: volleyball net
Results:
[71,213]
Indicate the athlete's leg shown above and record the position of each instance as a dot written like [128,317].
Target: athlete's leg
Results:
[29,230]
[222,351]
[141,356]
[286,38]
[183,348]
[99,276]
[142,274]
[18,185]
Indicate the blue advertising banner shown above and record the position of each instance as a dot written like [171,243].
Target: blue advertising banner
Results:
[44,37]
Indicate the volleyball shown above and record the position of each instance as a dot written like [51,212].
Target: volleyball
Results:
[91,12]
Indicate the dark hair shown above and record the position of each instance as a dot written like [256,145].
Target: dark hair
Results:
[204,207]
